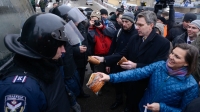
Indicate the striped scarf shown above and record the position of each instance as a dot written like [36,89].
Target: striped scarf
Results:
[179,72]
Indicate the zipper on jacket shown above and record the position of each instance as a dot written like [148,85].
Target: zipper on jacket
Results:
[160,88]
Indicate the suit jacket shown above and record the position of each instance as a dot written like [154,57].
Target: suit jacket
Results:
[154,48]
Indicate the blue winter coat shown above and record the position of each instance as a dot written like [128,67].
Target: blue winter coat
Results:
[172,92]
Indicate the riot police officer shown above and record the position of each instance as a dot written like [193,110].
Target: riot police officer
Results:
[34,83]
[80,52]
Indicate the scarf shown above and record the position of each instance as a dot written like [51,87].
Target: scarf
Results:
[178,72]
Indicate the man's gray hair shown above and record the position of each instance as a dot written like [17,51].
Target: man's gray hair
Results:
[149,16]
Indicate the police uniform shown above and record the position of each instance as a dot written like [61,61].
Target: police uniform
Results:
[21,93]
[34,83]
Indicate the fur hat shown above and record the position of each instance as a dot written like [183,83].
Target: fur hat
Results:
[96,14]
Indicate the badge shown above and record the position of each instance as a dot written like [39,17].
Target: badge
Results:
[14,103]
[19,79]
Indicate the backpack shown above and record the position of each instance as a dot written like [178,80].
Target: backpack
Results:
[102,44]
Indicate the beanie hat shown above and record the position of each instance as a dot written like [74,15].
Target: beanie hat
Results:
[104,11]
[196,23]
[160,27]
[189,17]
[111,13]
[120,10]
[129,16]
[162,19]
[96,14]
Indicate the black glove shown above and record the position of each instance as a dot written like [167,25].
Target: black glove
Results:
[171,6]
[156,9]
[171,3]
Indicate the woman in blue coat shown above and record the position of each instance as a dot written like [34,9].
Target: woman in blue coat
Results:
[171,86]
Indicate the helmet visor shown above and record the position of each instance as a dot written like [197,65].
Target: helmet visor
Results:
[68,33]
[72,33]
[76,15]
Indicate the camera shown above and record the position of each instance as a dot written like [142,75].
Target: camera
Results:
[97,22]
[163,3]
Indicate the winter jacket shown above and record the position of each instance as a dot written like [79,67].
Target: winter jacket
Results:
[69,66]
[180,39]
[81,58]
[173,93]
[41,90]
[114,21]
[42,4]
[109,31]
[154,48]
[32,2]
[119,42]
[175,31]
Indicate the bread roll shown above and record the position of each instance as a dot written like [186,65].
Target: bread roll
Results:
[94,84]
[123,59]
[93,60]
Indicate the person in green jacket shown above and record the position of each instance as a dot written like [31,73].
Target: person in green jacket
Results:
[33,4]
[42,5]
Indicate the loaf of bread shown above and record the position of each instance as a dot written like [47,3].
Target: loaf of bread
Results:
[123,59]
[93,60]
[94,84]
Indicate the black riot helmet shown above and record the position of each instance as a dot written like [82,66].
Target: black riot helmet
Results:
[68,13]
[41,36]
[62,11]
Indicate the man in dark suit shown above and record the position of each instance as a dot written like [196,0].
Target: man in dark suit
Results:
[144,48]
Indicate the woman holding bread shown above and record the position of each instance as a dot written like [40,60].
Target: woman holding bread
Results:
[171,86]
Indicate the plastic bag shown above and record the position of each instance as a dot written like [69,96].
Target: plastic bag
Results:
[94,84]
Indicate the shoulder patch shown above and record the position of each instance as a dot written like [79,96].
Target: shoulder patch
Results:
[14,103]
[19,79]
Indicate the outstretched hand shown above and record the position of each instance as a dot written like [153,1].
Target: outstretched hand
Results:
[104,77]
[101,59]
[128,65]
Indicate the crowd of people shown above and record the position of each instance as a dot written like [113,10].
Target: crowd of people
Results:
[162,72]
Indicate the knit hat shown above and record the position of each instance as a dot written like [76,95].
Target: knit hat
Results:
[120,10]
[111,13]
[162,19]
[196,23]
[104,11]
[96,14]
[189,17]
[160,27]
[129,16]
